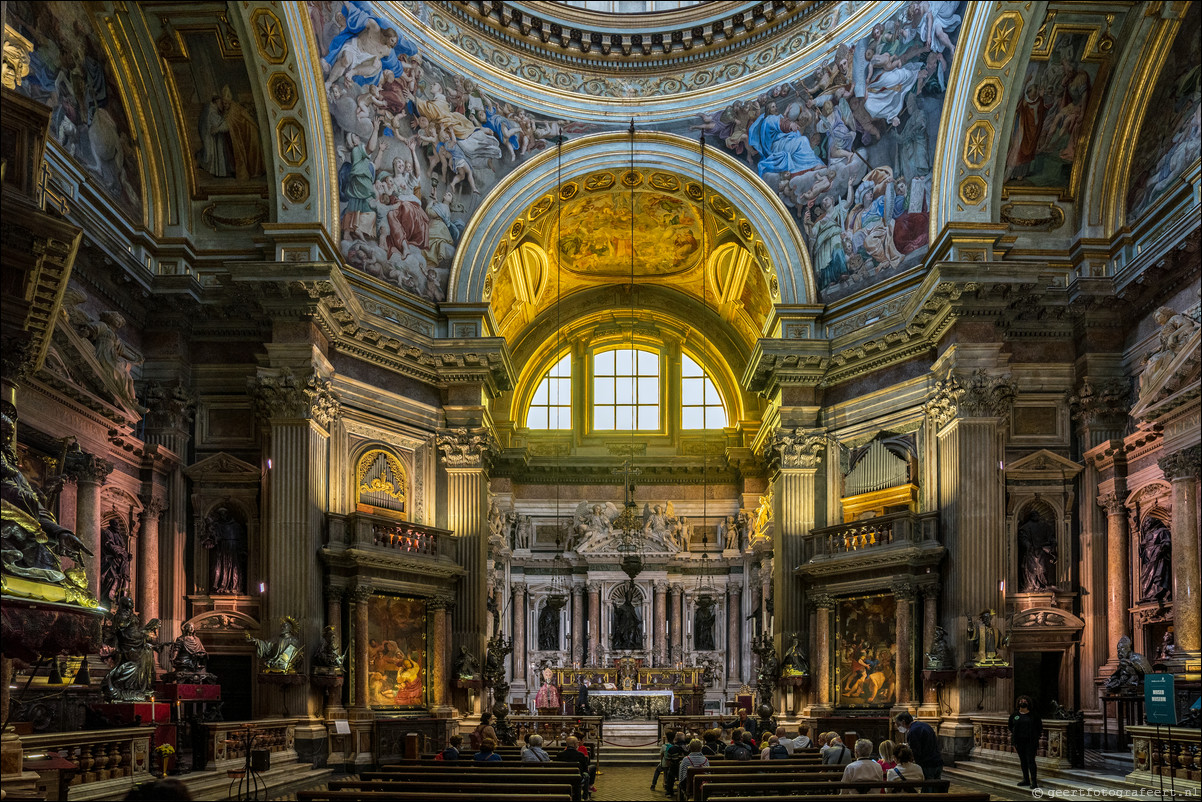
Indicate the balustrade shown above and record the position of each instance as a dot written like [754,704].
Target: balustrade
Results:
[1161,754]
[694,724]
[896,528]
[992,734]
[107,762]
[228,741]
[555,729]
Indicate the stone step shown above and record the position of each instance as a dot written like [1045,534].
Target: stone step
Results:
[1002,778]
[647,756]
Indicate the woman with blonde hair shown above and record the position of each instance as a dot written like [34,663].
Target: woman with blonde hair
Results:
[887,749]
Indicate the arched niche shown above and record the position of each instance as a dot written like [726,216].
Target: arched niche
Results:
[381,482]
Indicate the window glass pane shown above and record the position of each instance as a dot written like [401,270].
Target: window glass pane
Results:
[649,417]
[603,363]
[624,417]
[561,418]
[603,391]
[711,394]
[648,363]
[562,368]
[690,391]
[540,395]
[603,417]
[537,418]
[715,418]
[649,390]
[623,362]
[624,389]
[692,418]
[559,391]
[688,367]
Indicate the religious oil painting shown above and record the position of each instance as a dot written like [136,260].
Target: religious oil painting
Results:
[70,73]
[866,645]
[1171,135]
[396,651]
[213,98]
[595,234]
[1059,97]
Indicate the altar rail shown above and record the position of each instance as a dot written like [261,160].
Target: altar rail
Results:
[899,527]
[226,742]
[991,738]
[108,762]
[556,729]
[1163,755]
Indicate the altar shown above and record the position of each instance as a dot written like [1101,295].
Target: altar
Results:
[627,705]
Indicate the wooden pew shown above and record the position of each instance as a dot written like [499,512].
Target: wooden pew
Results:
[420,796]
[509,774]
[755,771]
[956,797]
[476,786]
[711,791]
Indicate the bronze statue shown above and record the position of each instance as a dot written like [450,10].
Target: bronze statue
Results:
[328,659]
[1128,678]
[284,654]
[1037,552]
[189,660]
[114,561]
[548,624]
[132,651]
[31,541]
[795,662]
[939,657]
[628,630]
[466,665]
[703,627]
[986,640]
[1155,555]
[226,536]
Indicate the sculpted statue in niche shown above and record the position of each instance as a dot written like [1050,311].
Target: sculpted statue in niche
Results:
[703,627]
[1175,329]
[1128,678]
[31,541]
[1155,553]
[189,660]
[498,522]
[795,663]
[329,660]
[225,535]
[114,561]
[466,665]
[523,532]
[548,625]
[627,629]
[1036,551]
[131,645]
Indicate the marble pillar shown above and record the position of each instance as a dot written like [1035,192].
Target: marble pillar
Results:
[930,619]
[577,623]
[148,558]
[439,653]
[1118,573]
[660,605]
[594,624]
[1182,470]
[795,516]
[675,623]
[90,474]
[734,634]
[465,459]
[824,605]
[903,597]
[518,589]
[359,597]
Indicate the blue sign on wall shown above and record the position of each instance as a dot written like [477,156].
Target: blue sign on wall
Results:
[1160,703]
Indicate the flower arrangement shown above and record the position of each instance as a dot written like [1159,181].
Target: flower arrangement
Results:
[164,751]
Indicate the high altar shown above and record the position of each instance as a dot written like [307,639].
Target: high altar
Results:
[628,690]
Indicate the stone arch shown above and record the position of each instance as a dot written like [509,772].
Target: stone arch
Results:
[783,248]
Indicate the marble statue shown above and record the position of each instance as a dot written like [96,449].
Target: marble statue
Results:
[132,647]
[659,524]
[114,561]
[682,533]
[496,522]
[591,523]
[1175,330]
[548,626]
[285,654]
[939,657]
[189,660]
[1037,552]
[986,640]
[225,535]
[523,532]
[703,627]
[727,536]
[1155,553]
[1128,678]
[795,663]
[329,660]
[466,665]
[628,629]
[31,541]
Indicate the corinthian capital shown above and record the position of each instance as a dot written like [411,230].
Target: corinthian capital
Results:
[283,394]
[978,395]
[1101,402]
[823,601]
[1183,464]
[88,468]
[796,448]
[169,407]
[1112,503]
[466,448]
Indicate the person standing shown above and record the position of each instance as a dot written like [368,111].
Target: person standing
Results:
[924,743]
[1025,729]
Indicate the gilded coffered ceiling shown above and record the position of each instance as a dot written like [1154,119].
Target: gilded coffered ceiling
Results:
[585,236]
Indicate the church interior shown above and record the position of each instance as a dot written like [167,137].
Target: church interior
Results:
[378,373]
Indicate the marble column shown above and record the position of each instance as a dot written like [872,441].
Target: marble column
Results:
[594,624]
[1182,470]
[1118,573]
[359,597]
[734,634]
[903,598]
[577,623]
[660,604]
[438,674]
[824,604]
[148,558]
[465,454]
[90,474]
[930,619]
[798,453]
[518,589]
[334,610]
[675,616]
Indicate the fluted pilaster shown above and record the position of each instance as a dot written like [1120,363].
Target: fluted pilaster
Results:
[465,454]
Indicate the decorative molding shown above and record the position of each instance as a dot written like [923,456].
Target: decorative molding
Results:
[282,396]
[795,448]
[466,448]
[1184,464]
[978,395]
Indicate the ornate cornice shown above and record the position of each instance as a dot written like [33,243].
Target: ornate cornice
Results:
[1183,464]
[282,395]
[795,448]
[978,395]
[466,448]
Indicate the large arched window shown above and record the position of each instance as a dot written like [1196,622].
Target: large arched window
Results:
[551,406]
[626,390]
[700,405]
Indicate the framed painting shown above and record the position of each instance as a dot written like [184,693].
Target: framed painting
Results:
[866,646]
[396,652]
